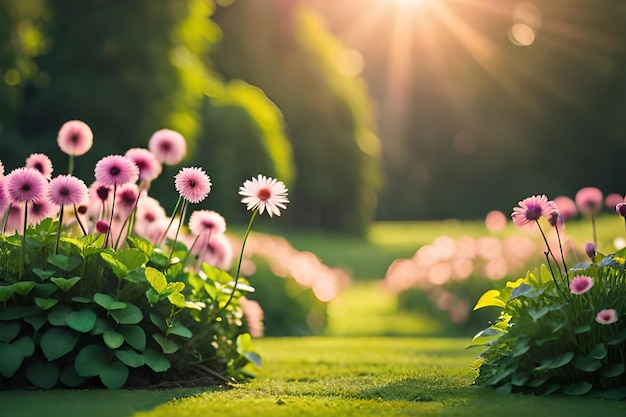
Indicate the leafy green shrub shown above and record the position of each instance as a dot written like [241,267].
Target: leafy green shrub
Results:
[107,293]
[559,329]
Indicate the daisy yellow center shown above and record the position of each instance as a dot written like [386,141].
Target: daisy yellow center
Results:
[264,194]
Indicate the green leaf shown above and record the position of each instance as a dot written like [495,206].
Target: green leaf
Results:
[180,330]
[579,388]
[134,335]
[155,360]
[613,370]
[115,375]
[158,321]
[112,339]
[58,313]
[152,296]
[9,330]
[23,287]
[107,302]
[81,300]
[484,337]
[136,275]
[489,299]
[44,290]
[102,325]
[6,291]
[598,351]
[65,263]
[244,343]
[65,284]
[91,360]
[142,244]
[12,358]
[26,345]
[58,342]
[536,314]
[160,260]
[37,321]
[130,357]
[557,362]
[70,378]
[254,358]
[156,279]
[118,268]
[43,275]
[131,314]
[45,303]
[167,346]
[582,329]
[132,258]
[619,338]
[43,374]
[586,363]
[82,321]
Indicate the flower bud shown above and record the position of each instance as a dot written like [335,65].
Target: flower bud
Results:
[590,249]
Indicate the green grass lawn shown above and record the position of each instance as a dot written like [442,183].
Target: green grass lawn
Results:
[325,376]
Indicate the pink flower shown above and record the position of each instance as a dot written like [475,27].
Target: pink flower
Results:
[193,184]
[148,164]
[149,211]
[532,209]
[168,146]
[67,190]
[15,219]
[4,198]
[217,251]
[612,200]
[25,185]
[116,170]
[589,200]
[75,138]
[126,198]
[606,316]
[40,210]
[202,221]
[620,208]
[264,193]
[566,206]
[580,284]
[41,163]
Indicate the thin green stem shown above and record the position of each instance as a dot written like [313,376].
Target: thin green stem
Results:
[5,217]
[106,238]
[593,224]
[180,224]
[79,222]
[180,198]
[70,167]
[243,245]
[22,249]
[56,247]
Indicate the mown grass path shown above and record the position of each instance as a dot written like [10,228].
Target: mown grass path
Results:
[325,376]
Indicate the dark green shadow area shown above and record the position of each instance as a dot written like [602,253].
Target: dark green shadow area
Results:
[89,403]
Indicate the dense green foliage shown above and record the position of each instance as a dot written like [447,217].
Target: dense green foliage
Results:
[548,339]
[128,317]
[295,61]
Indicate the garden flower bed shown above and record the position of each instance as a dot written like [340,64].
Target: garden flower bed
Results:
[98,287]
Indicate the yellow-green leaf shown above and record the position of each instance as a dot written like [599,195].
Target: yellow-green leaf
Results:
[490,299]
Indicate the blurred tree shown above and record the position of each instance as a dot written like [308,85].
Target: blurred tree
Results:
[242,135]
[298,64]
